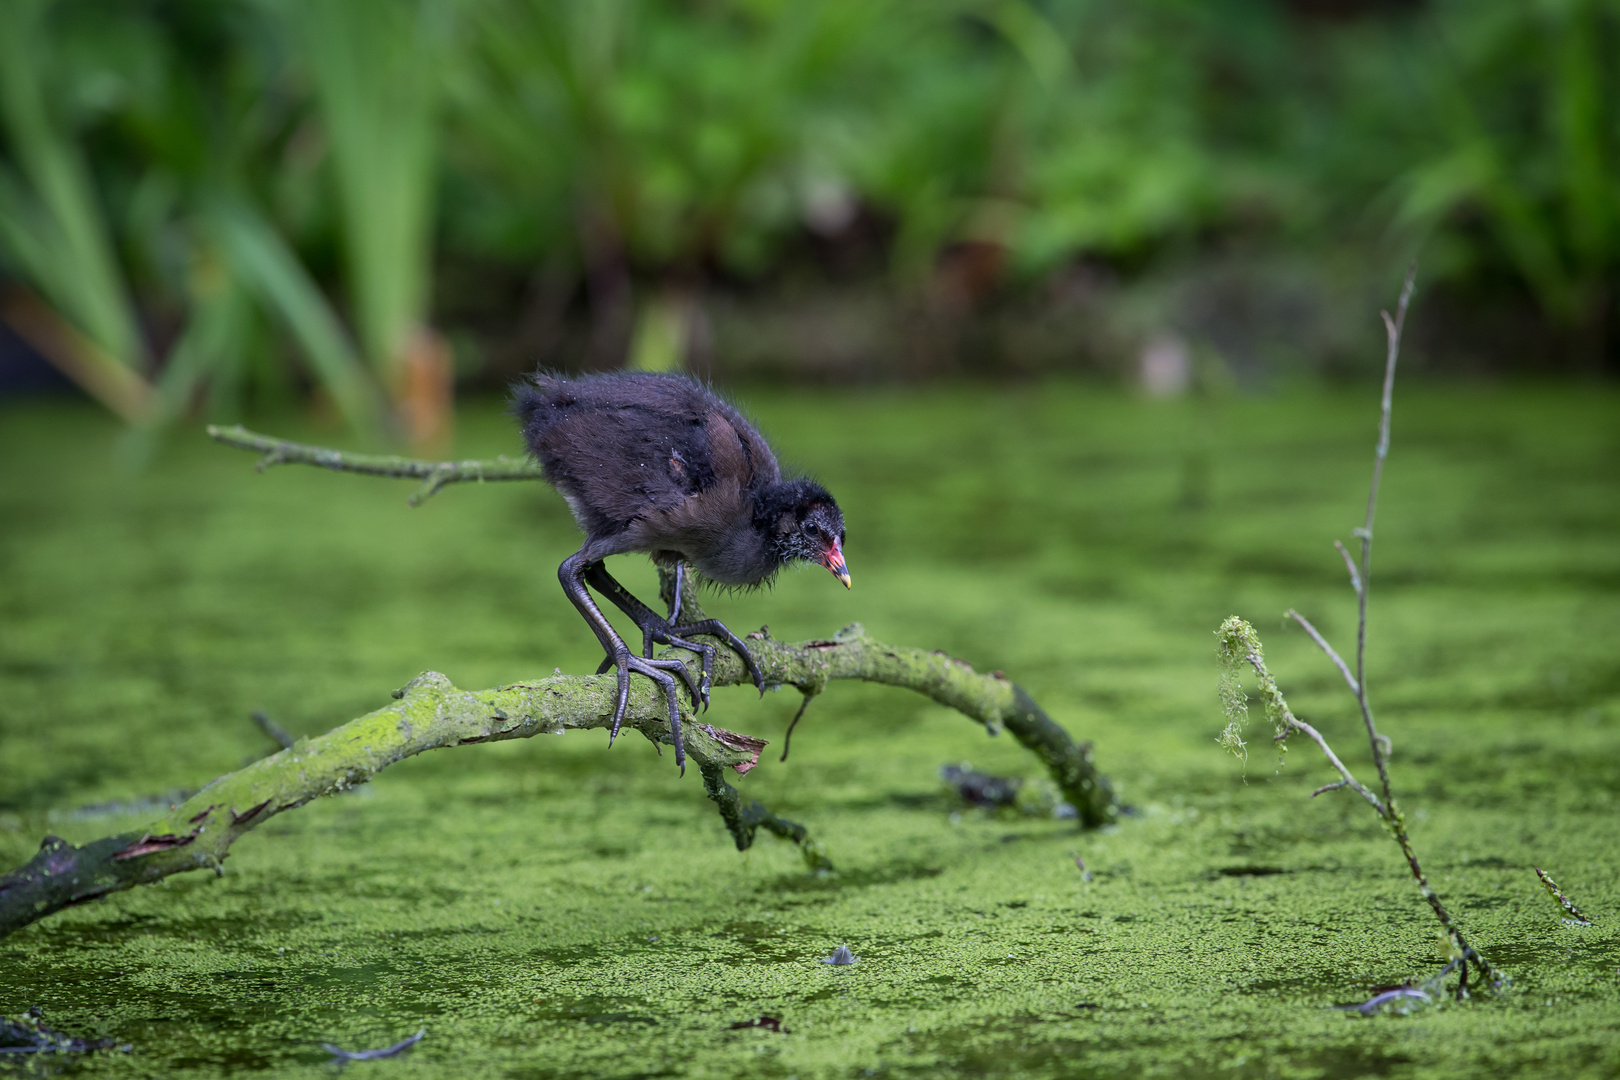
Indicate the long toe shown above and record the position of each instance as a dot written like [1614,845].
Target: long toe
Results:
[676,667]
[706,682]
[716,628]
[658,671]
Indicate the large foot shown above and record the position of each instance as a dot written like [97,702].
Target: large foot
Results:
[657,631]
[716,628]
[673,634]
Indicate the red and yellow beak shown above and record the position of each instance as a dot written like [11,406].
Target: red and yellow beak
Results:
[833,560]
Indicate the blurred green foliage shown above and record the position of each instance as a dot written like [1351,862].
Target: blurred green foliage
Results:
[226,193]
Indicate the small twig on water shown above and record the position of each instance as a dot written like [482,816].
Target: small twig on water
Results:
[1572,913]
[372,1055]
[1239,645]
[1378,1001]
[275,731]
[769,1023]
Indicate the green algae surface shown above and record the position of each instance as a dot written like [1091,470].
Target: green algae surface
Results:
[550,908]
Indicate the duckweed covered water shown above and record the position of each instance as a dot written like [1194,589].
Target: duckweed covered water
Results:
[554,909]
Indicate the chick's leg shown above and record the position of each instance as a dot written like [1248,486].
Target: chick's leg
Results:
[712,627]
[572,574]
[653,628]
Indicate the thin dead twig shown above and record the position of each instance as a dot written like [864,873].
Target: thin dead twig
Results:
[1240,643]
[1332,653]
[435,475]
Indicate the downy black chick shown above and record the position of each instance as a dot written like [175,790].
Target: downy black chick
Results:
[658,464]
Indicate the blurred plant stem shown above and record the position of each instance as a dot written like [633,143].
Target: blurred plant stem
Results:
[376,67]
[120,388]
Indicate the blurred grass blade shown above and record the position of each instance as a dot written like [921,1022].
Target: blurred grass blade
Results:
[53,228]
[208,348]
[117,386]
[375,67]
[269,269]
[209,352]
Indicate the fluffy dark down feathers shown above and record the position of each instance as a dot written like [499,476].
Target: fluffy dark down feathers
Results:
[659,464]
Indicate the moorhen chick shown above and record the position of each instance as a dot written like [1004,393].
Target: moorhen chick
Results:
[659,464]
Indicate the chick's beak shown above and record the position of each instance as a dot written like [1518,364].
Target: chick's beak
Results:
[833,560]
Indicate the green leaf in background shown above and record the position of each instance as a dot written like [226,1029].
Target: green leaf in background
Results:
[376,67]
[268,269]
[52,229]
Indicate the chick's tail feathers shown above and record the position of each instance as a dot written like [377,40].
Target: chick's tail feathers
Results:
[537,402]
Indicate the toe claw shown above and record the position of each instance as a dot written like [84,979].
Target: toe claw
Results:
[622,699]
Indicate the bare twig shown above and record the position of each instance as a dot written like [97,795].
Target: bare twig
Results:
[1350,565]
[276,733]
[1332,654]
[433,474]
[1572,913]
[1349,780]
[1239,644]
[1363,580]
[787,737]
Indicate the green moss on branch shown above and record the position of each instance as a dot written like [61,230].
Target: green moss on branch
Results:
[430,713]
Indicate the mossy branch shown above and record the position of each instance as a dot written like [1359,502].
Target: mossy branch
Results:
[430,713]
